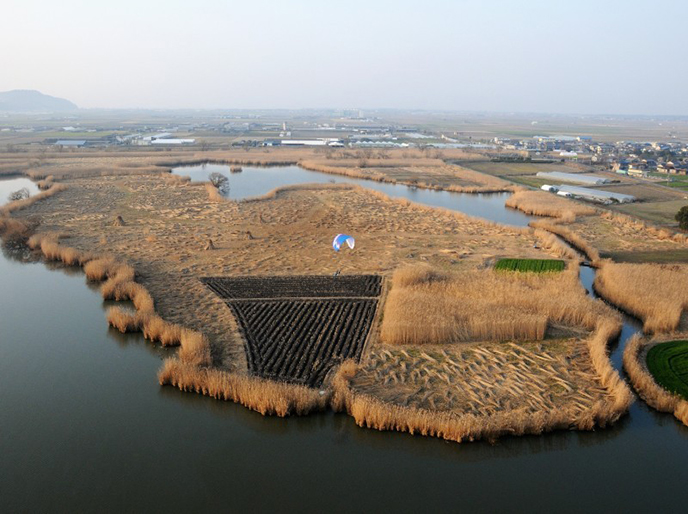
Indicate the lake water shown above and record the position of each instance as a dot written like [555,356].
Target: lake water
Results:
[84,426]
[256,181]
[13,184]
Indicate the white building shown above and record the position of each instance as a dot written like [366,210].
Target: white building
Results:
[596,195]
[574,178]
[173,141]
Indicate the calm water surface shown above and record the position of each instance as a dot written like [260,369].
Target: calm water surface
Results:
[13,184]
[256,181]
[84,426]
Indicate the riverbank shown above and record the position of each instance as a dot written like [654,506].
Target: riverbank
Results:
[171,235]
[163,229]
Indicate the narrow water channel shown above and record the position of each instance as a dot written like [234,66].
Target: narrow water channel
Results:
[84,426]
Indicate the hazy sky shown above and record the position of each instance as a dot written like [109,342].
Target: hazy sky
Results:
[603,56]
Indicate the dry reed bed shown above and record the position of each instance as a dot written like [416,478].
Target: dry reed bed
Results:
[13,230]
[540,203]
[264,396]
[655,293]
[13,167]
[555,245]
[11,207]
[190,369]
[661,233]
[570,237]
[372,412]
[95,171]
[634,361]
[484,305]
[483,379]
[419,294]
[279,191]
[187,371]
[214,194]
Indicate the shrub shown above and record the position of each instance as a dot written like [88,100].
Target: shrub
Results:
[19,194]
[220,182]
[682,217]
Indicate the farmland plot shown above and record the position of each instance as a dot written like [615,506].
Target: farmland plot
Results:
[309,286]
[296,328]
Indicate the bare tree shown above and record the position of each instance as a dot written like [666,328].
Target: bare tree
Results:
[219,181]
[20,194]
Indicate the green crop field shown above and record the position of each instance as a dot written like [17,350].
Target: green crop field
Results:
[531,265]
[668,363]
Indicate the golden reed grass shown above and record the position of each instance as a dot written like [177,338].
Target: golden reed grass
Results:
[427,307]
[540,203]
[214,194]
[278,191]
[655,293]
[190,369]
[661,233]
[655,395]
[46,183]
[555,245]
[371,412]
[100,170]
[570,237]
[264,396]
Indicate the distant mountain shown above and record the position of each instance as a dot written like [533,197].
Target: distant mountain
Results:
[28,100]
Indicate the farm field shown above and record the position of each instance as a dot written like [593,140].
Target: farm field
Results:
[668,364]
[520,169]
[292,337]
[674,181]
[305,286]
[660,257]
[530,265]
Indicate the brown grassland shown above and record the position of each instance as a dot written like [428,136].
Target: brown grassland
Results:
[439,377]
[484,305]
[495,354]
[541,203]
[657,294]
[484,391]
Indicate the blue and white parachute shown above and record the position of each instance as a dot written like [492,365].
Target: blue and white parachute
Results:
[340,239]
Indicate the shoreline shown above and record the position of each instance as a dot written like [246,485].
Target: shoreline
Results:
[187,375]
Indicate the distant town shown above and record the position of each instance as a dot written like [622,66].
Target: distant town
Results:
[352,130]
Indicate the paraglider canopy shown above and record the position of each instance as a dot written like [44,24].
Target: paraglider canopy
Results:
[340,239]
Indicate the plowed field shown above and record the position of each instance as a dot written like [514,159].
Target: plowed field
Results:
[296,328]
[309,286]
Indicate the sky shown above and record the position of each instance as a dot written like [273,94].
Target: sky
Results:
[558,56]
